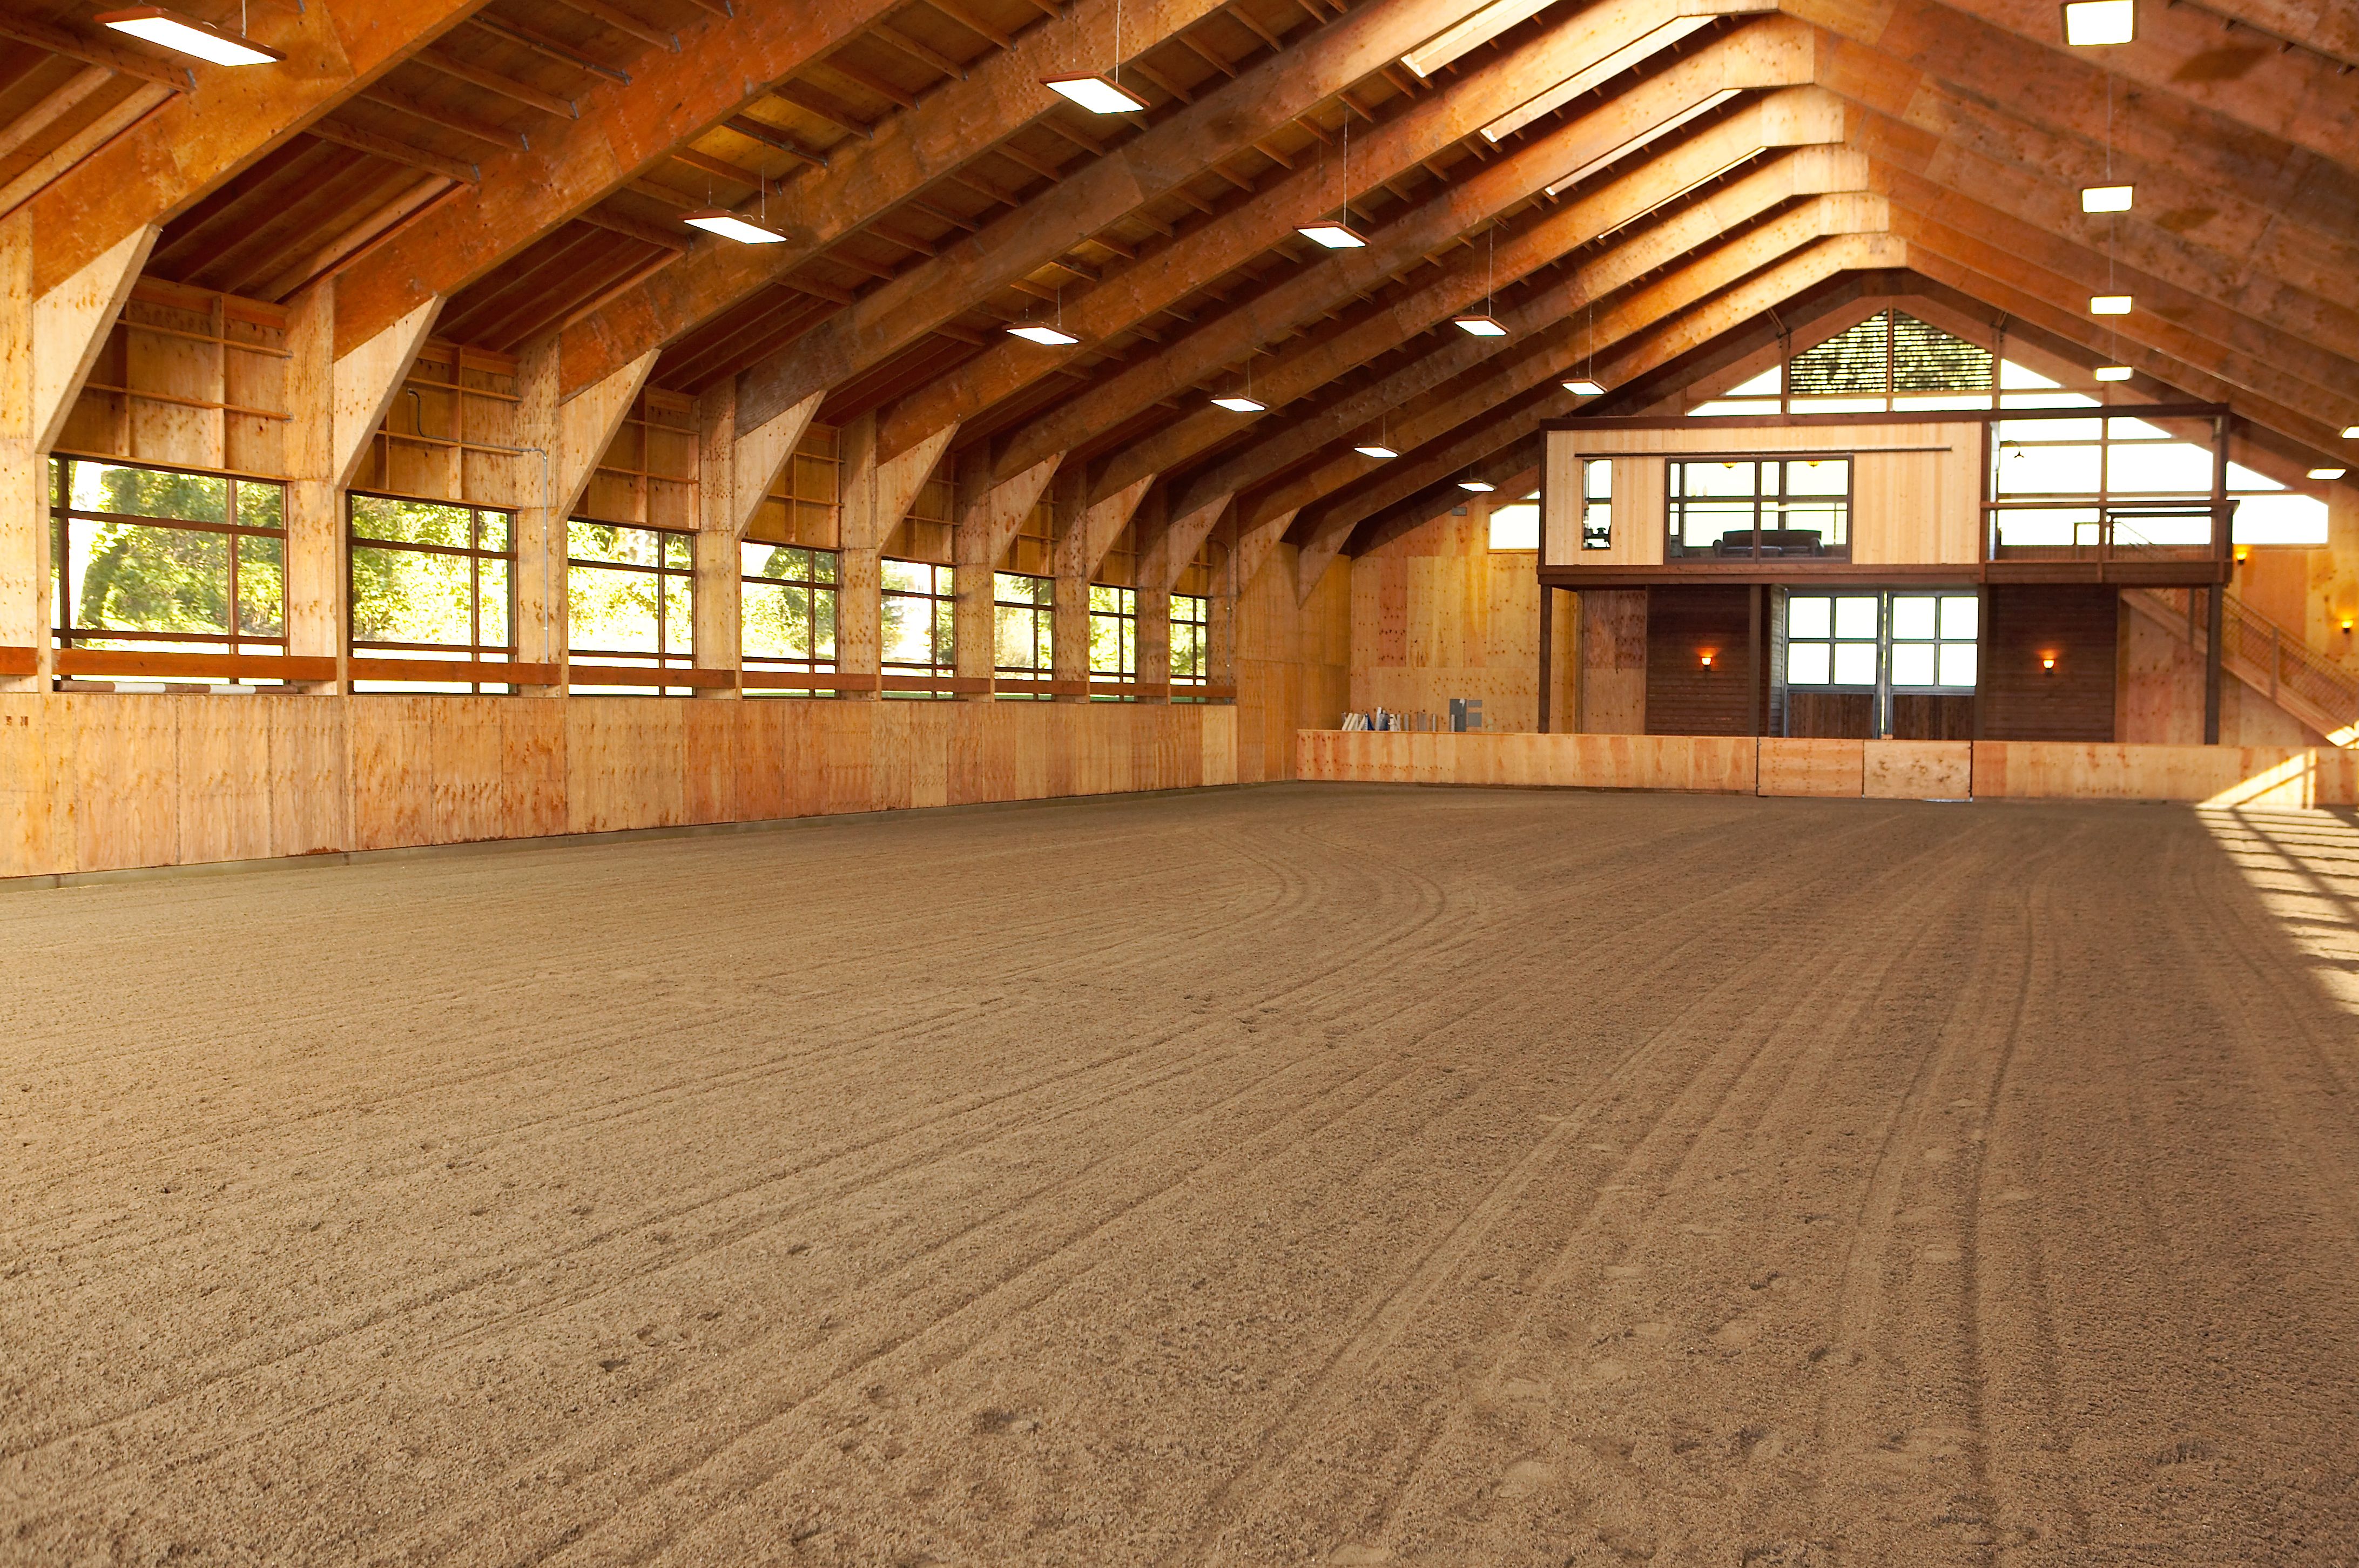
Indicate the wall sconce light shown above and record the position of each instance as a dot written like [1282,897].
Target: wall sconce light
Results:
[2241,553]
[2346,625]
[2048,663]
[1707,661]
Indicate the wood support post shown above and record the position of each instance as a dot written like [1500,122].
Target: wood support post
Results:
[872,497]
[1069,613]
[565,440]
[989,516]
[48,344]
[1547,652]
[2215,619]
[735,469]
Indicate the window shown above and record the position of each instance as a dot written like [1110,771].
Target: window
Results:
[631,594]
[430,580]
[1516,524]
[1114,632]
[1768,507]
[785,617]
[920,623]
[1191,638]
[1021,614]
[1597,503]
[1882,641]
[158,560]
[2100,488]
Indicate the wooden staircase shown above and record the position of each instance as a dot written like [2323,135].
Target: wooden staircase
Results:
[2273,660]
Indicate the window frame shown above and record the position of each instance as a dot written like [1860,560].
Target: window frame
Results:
[1200,627]
[810,586]
[475,651]
[1039,611]
[1123,615]
[1674,498]
[1593,500]
[663,571]
[65,635]
[942,594]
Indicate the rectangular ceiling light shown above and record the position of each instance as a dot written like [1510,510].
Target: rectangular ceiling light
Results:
[2106,198]
[1098,94]
[1476,487]
[1333,237]
[2328,473]
[1606,69]
[1375,449]
[1480,326]
[2087,23]
[2113,372]
[1470,34]
[1047,336]
[2351,432]
[186,35]
[2109,305]
[1240,405]
[1640,140]
[730,226]
[1584,387]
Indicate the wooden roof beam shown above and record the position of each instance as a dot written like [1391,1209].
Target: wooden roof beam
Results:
[958,122]
[163,166]
[1152,164]
[623,133]
[1169,275]
[1772,53]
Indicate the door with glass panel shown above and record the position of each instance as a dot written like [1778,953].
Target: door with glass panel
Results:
[1866,664]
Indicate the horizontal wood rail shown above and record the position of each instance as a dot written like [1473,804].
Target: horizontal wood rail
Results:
[464,672]
[20,660]
[121,664]
[645,674]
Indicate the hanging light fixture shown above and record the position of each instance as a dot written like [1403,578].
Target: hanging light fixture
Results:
[2351,432]
[186,35]
[1100,94]
[2109,305]
[2107,198]
[1588,385]
[1041,332]
[1338,235]
[1485,325]
[1375,449]
[1477,486]
[1241,402]
[2094,23]
[1581,386]
[2113,372]
[2328,473]
[729,226]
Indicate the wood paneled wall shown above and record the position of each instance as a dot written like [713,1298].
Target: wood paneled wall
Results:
[1436,615]
[2260,776]
[1613,679]
[2079,627]
[1916,489]
[103,782]
[1293,660]
[1684,696]
[187,378]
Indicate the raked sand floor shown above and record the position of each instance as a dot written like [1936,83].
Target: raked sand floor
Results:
[1257,1177]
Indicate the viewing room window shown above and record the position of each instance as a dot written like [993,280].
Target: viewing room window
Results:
[1191,638]
[1879,663]
[158,560]
[2080,489]
[921,621]
[1597,503]
[785,616]
[1114,632]
[1021,613]
[1759,508]
[430,580]
[631,595]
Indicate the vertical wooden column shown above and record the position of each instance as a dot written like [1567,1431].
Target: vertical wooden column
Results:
[872,495]
[47,343]
[24,477]
[1547,653]
[975,550]
[1154,643]
[1069,616]
[717,534]
[337,402]
[563,441]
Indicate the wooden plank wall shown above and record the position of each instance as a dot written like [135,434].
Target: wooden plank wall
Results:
[1294,663]
[1613,679]
[1436,615]
[1684,695]
[2078,625]
[2259,776]
[105,781]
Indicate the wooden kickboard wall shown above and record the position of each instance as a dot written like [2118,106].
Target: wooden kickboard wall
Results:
[2257,776]
[106,782]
